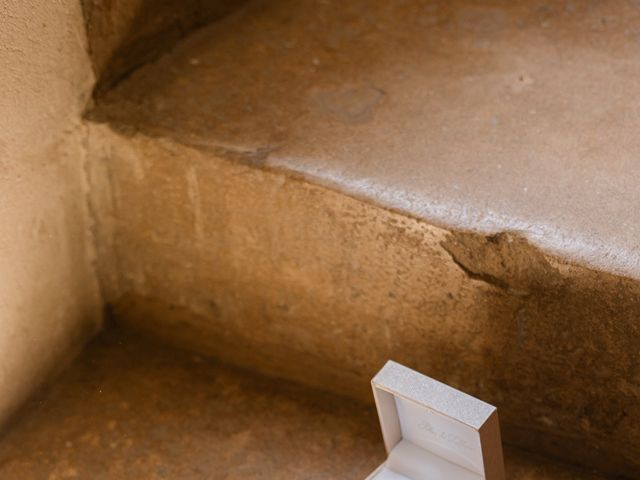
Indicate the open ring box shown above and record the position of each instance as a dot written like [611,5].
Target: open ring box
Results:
[434,432]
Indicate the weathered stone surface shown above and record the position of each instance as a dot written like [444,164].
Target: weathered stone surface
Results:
[49,302]
[132,408]
[485,230]
[513,116]
[124,34]
[268,271]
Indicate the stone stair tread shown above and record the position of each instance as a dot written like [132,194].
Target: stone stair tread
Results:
[131,407]
[519,116]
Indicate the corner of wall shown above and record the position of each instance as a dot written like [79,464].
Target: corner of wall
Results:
[50,303]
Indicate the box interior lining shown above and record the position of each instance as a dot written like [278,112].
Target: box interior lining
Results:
[424,444]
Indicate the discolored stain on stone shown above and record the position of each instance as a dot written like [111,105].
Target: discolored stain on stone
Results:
[505,260]
[351,104]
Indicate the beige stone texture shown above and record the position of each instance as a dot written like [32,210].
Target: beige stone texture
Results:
[485,116]
[480,222]
[48,293]
[213,230]
[268,271]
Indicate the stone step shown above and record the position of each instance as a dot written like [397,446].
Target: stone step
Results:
[310,189]
[130,407]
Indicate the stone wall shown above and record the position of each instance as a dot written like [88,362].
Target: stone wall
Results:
[49,302]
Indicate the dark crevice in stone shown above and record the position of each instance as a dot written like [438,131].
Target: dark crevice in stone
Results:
[483,277]
[126,34]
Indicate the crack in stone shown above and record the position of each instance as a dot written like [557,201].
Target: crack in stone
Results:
[480,276]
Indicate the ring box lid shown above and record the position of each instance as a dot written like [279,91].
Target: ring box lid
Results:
[434,432]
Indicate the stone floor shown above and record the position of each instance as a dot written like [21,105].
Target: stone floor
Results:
[131,407]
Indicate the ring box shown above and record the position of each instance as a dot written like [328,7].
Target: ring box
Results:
[434,432]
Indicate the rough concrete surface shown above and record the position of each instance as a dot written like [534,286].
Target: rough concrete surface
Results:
[48,292]
[133,408]
[273,273]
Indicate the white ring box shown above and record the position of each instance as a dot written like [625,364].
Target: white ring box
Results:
[434,432]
